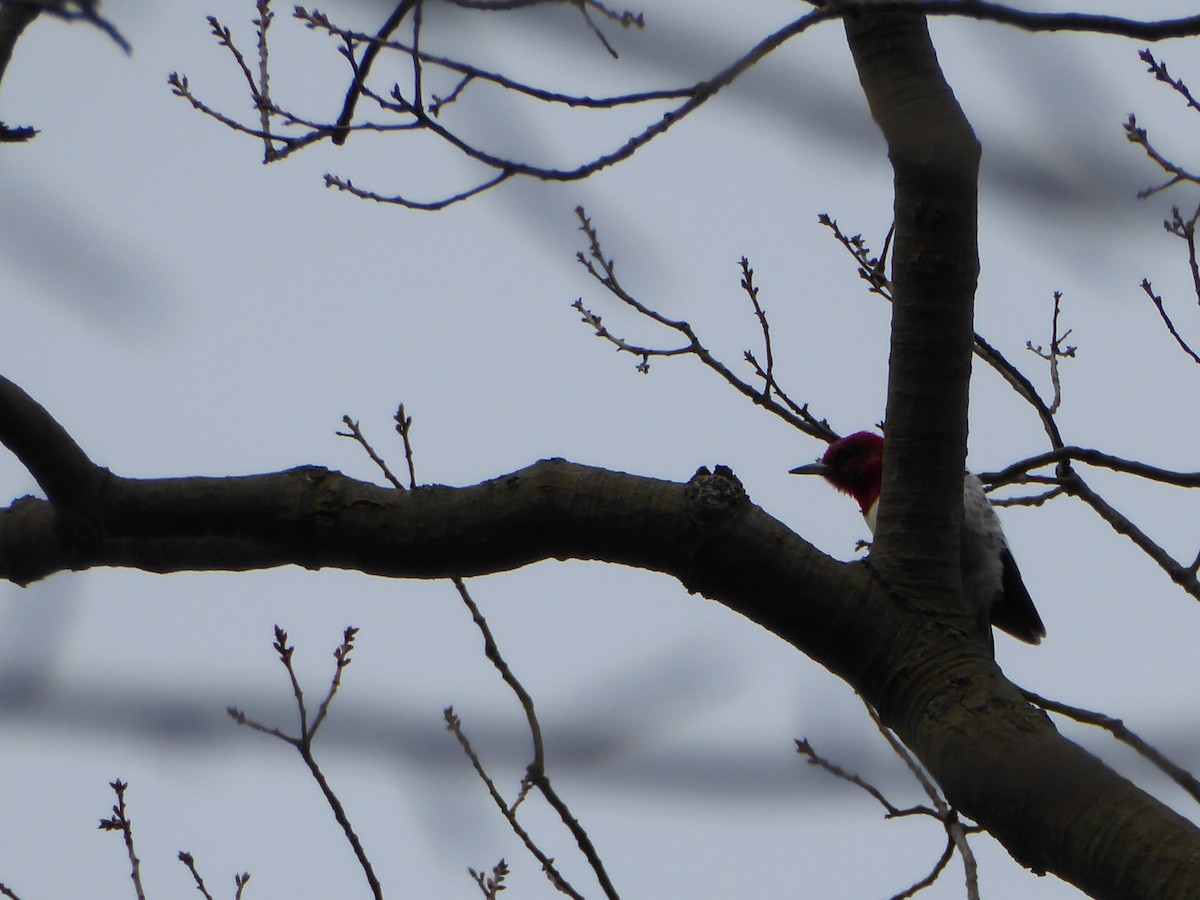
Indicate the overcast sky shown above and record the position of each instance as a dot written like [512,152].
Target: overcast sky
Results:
[182,309]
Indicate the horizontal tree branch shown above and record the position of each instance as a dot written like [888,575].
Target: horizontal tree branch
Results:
[1091,457]
[1055,807]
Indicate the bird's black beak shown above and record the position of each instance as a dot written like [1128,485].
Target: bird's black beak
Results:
[814,468]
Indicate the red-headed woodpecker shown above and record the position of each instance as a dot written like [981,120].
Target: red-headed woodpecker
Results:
[992,585]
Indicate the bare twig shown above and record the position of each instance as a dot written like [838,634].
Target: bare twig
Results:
[955,830]
[356,434]
[1118,729]
[1184,576]
[1011,474]
[1186,229]
[1031,500]
[492,885]
[454,726]
[689,98]
[304,741]
[1137,135]
[363,68]
[603,269]
[535,773]
[871,269]
[1159,71]
[188,860]
[805,748]
[751,291]
[120,822]
[404,429]
[938,868]
[1162,312]
[265,106]
[344,184]
[1056,352]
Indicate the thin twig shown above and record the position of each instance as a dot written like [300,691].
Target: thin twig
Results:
[535,773]
[1182,575]
[751,291]
[404,429]
[955,830]
[805,748]
[454,726]
[1056,352]
[938,867]
[1010,474]
[1117,728]
[304,741]
[345,184]
[492,885]
[363,68]
[356,434]
[263,22]
[1135,134]
[188,860]
[1158,304]
[120,822]
[603,268]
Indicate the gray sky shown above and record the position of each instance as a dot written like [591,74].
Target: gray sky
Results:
[183,310]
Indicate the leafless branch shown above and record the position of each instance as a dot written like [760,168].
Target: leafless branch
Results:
[1138,135]
[404,429]
[492,885]
[1184,576]
[1010,474]
[805,748]
[1118,729]
[1159,71]
[1158,304]
[1056,352]
[535,773]
[120,822]
[603,268]
[535,776]
[423,205]
[1186,229]
[190,861]
[871,269]
[454,726]
[356,434]
[304,741]
[263,22]
[938,867]
[956,831]
[363,67]
[316,20]
[1072,483]
[1032,500]
[688,99]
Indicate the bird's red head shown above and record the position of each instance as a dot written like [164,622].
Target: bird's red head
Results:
[853,465]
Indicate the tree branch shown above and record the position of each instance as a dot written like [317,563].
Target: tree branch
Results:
[1052,805]
[43,446]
